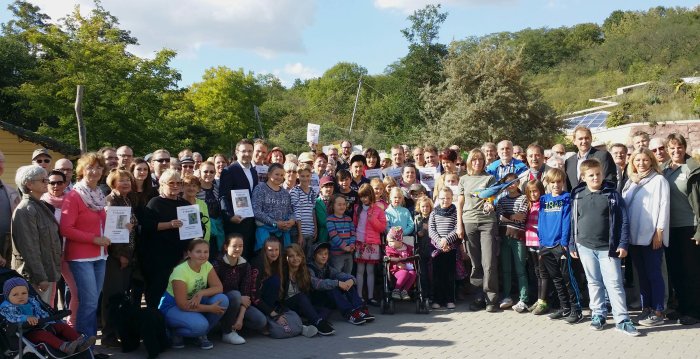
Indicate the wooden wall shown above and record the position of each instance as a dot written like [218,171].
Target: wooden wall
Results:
[18,153]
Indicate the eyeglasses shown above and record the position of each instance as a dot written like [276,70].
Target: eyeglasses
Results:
[45,160]
[124,155]
[174,183]
[662,148]
[65,169]
[56,183]
[460,164]
[187,166]
[162,160]
[44,180]
[209,172]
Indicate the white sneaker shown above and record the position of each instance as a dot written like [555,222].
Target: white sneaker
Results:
[232,338]
[520,307]
[308,331]
[506,303]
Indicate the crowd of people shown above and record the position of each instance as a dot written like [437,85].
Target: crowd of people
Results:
[606,228]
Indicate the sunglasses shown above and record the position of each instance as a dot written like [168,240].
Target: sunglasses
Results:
[46,160]
[162,160]
[209,172]
[460,164]
[187,166]
[56,183]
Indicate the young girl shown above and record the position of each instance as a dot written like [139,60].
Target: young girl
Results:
[321,208]
[379,193]
[533,191]
[442,227]
[389,183]
[370,222]
[341,233]
[512,213]
[19,307]
[461,273]
[397,214]
[404,272]
[424,206]
[303,201]
[296,287]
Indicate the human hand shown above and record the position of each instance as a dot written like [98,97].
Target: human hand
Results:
[488,207]
[43,286]
[32,321]
[574,254]
[101,241]
[176,223]
[621,253]
[129,226]
[460,230]
[300,240]
[282,320]
[238,325]
[518,217]
[657,241]
[195,301]
[123,262]
[236,219]
[245,301]
[216,308]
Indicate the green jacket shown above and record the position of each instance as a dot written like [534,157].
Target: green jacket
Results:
[321,215]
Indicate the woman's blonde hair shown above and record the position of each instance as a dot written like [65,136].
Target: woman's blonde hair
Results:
[86,160]
[475,154]
[632,169]
[116,174]
[166,177]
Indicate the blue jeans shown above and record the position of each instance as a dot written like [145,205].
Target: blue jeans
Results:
[194,324]
[346,301]
[89,277]
[604,273]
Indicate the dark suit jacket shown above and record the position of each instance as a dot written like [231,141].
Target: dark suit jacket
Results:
[605,158]
[622,179]
[233,177]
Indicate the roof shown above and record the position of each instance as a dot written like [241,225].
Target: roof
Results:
[45,141]
[595,121]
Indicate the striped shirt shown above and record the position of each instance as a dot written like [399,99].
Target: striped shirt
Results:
[441,226]
[303,205]
[508,206]
[531,238]
[341,232]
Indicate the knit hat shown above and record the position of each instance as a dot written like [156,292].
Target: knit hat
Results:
[395,234]
[11,283]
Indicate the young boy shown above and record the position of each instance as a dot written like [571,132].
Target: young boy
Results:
[599,237]
[357,169]
[321,207]
[553,228]
[333,288]
[343,179]
[303,203]
[19,307]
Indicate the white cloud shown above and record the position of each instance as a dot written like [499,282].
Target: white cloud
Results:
[267,27]
[408,6]
[291,72]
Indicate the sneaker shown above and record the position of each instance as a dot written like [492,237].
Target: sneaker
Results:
[404,295]
[559,314]
[355,318]
[646,312]
[651,321]
[373,302]
[687,320]
[541,308]
[232,338]
[520,307]
[491,308]
[69,347]
[574,317]
[533,306]
[597,322]
[477,305]
[396,294]
[177,342]
[205,343]
[451,305]
[627,327]
[85,343]
[324,328]
[506,303]
[309,331]
[366,315]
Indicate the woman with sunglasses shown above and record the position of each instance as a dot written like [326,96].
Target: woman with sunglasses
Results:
[56,191]
[210,195]
[163,249]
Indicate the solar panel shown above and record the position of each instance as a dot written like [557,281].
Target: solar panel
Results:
[594,121]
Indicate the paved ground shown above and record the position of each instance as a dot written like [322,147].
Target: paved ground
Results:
[459,334]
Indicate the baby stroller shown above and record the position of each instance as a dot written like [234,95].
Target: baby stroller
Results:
[12,342]
[417,294]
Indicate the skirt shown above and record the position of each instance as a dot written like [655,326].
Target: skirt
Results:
[367,253]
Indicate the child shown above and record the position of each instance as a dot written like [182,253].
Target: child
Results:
[303,201]
[321,207]
[370,222]
[379,193]
[397,214]
[553,227]
[443,236]
[19,307]
[533,191]
[343,179]
[599,237]
[512,211]
[333,288]
[423,207]
[463,267]
[389,184]
[341,234]
[404,272]
[357,170]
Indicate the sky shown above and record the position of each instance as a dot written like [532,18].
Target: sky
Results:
[303,38]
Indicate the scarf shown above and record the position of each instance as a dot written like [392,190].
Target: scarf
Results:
[639,176]
[93,198]
[445,212]
[56,202]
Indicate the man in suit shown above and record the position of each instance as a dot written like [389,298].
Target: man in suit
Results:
[240,175]
[618,152]
[536,166]
[582,139]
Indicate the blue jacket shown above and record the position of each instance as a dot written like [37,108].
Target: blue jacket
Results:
[13,313]
[619,222]
[554,221]
[518,167]
[399,216]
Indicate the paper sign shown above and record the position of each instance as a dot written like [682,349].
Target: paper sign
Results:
[374,173]
[427,177]
[262,173]
[242,205]
[191,222]
[312,132]
[115,225]
[315,182]
[395,173]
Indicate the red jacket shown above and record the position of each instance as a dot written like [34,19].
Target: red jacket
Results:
[376,222]
[80,225]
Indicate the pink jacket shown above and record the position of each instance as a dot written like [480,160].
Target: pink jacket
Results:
[376,222]
[80,225]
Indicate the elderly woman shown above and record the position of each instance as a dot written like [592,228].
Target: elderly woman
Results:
[272,206]
[162,247]
[476,223]
[56,191]
[683,253]
[209,193]
[646,195]
[34,229]
[290,176]
[121,255]
[82,224]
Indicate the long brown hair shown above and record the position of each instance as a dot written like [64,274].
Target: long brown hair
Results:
[272,268]
[302,277]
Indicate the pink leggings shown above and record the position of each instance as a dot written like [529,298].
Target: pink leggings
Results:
[70,282]
[405,279]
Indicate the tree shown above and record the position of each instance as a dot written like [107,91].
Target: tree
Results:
[485,98]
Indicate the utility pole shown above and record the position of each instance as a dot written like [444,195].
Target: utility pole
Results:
[354,109]
[79,116]
[257,118]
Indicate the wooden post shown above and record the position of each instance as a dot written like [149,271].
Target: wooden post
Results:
[79,116]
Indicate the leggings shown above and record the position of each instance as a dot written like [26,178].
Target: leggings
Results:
[361,277]
[541,274]
[405,279]
[63,332]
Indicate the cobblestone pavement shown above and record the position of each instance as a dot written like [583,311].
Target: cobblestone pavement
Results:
[458,334]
